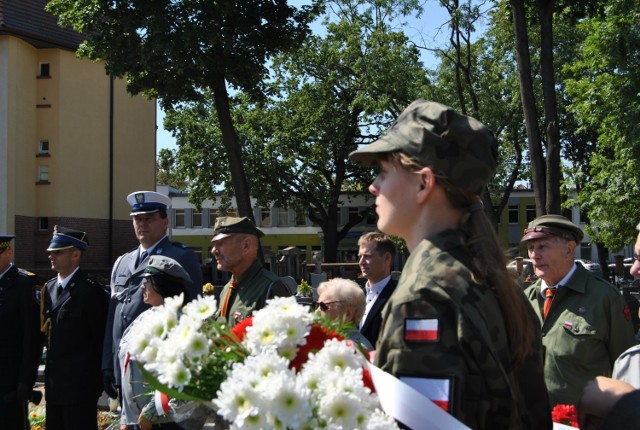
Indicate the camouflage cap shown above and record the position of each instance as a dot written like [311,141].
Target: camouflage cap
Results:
[161,264]
[459,147]
[228,225]
[552,225]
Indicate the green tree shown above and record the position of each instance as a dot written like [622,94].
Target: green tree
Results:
[336,92]
[604,87]
[179,51]
[165,170]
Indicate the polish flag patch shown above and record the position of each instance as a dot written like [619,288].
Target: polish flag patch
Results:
[422,330]
[436,390]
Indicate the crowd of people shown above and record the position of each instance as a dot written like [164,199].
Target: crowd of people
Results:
[455,327]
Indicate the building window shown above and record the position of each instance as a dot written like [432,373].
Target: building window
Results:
[44,70]
[43,224]
[585,251]
[43,146]
[301,218]
[513,214]
[178,218]
[43,173]
[196,218]
[283,217]
[531,213]
[213,215]
[265,217]
[354,213]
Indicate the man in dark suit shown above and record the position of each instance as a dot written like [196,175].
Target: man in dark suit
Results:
[20,338]
[376,254]
[74,313]
[150,224]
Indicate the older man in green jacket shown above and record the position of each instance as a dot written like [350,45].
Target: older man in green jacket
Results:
[585,321]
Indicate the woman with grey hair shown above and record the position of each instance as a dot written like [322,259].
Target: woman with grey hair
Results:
[343,298]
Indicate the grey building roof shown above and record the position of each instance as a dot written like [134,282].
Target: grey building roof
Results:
[28,20]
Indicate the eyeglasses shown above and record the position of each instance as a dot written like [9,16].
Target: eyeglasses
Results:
[324,306]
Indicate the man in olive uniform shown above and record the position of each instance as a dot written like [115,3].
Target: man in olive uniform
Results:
[150,224]
[585,322]
[20,338]
[74,314]
[235,248]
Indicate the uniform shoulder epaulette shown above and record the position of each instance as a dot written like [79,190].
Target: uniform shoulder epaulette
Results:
[180,245]
[24,272]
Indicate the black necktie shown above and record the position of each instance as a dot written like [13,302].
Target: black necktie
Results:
[59,292]
[141,257]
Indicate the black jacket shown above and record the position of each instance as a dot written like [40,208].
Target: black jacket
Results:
[373,323]
[74,352]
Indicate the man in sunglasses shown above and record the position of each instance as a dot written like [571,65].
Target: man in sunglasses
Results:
[585,321]
[20,338]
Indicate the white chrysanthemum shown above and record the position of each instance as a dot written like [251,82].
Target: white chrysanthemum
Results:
[196,345]
[337,354]
[173,303]
[201,308]
[378,420]
[150,353]
[283,324]
[175,375]
[289,401]
[341,410]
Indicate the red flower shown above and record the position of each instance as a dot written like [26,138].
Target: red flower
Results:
[315,341]
[565,414]
[240,329]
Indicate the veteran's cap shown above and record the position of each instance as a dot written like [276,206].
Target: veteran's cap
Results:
[552,225]
[147,202]
[228,225]
[64,238]
[5,240]
[161,264]
[457,146]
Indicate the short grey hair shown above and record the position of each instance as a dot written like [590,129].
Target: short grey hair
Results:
[348,293]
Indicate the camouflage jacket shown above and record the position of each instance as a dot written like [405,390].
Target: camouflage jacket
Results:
[445,336]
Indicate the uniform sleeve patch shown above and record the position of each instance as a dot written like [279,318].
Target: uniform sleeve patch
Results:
[421,330]
[435,389]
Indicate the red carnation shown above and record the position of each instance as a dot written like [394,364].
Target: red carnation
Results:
[565,414]
[315,341]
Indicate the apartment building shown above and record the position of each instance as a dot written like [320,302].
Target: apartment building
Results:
[73,142]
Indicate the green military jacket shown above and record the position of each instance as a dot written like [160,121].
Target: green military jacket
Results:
[445,336]
[255,286]
[587,328]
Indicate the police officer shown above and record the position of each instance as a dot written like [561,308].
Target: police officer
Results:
[456,328]
[20,338]
[585,321]
[74,314]
[150,224]
[235,248]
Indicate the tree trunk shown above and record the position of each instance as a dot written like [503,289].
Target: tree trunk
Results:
[233,148]
[545,15]
[536,156]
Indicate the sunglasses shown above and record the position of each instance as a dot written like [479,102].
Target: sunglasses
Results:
[324,306]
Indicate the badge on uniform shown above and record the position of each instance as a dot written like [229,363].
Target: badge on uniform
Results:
[421,330]
[438,390]
[237,316]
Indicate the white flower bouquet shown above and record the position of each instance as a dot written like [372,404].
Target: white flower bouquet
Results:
[284,368]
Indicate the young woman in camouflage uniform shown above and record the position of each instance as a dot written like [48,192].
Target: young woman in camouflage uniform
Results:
[457,328]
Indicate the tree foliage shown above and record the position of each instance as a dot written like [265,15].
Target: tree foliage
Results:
[605,87]
[180,51]
[336,92]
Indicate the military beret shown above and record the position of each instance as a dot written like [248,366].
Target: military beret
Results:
[227,225]
[5,240]
[459,147]
[147,202]
[552,225]
[64,238]
[159,264]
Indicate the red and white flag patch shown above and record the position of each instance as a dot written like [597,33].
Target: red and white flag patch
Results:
[422,330]
[436,390]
